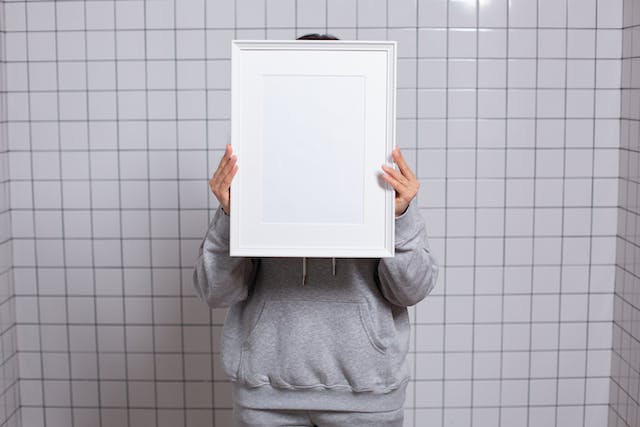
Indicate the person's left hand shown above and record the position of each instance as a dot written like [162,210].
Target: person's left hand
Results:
[404,181]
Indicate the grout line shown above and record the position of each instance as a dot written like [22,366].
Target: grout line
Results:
[223,89]
[590,251]
[276,27]
[562,227]
[504,213]
[621,272]
[326,16]
[522,323]
[151,295]
[446,200]
[62,225]
[181,268]
[120,228]
[533,220]
[209,207]
[35,246]
[475,218]
[13,387]
[416,145]
[92,225]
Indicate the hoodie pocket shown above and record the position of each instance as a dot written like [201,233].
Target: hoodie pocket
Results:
[307,344]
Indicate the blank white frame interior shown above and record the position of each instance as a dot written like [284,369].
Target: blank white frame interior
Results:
[311,124]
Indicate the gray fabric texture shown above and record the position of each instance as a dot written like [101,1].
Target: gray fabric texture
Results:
[339,342]
[249,417]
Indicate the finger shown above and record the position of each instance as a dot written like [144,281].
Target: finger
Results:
[224,171]
[402,163]
[395,174]
[226,182]
[227,155]
[228,151]
[397,185]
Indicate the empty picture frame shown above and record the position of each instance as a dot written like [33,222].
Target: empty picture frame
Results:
[312,121]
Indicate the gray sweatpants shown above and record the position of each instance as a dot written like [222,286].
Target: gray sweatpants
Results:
[249,417]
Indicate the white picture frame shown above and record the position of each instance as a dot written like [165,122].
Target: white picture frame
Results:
[312,122]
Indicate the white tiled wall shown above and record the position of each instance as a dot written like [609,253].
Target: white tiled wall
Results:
[509,112]
[9,394]
[624,395]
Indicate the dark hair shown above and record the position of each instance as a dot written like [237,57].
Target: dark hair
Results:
[316,36]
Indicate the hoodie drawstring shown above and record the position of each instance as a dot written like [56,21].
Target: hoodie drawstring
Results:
[304,269]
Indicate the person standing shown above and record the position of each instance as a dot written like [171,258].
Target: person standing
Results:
[327,351]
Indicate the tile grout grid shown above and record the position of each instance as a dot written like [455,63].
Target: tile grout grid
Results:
[115,308]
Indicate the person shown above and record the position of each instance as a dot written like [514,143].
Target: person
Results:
[334,351]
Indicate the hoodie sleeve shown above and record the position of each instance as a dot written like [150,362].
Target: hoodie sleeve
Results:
[412,273]
[219,279]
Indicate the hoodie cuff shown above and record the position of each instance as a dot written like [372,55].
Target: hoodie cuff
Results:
[220,224]
[406,224]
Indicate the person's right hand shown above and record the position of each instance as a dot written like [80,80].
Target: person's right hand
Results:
[220,182]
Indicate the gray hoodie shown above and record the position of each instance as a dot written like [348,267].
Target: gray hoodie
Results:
[338,343]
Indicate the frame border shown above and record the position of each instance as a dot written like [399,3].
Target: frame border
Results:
[237,47]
